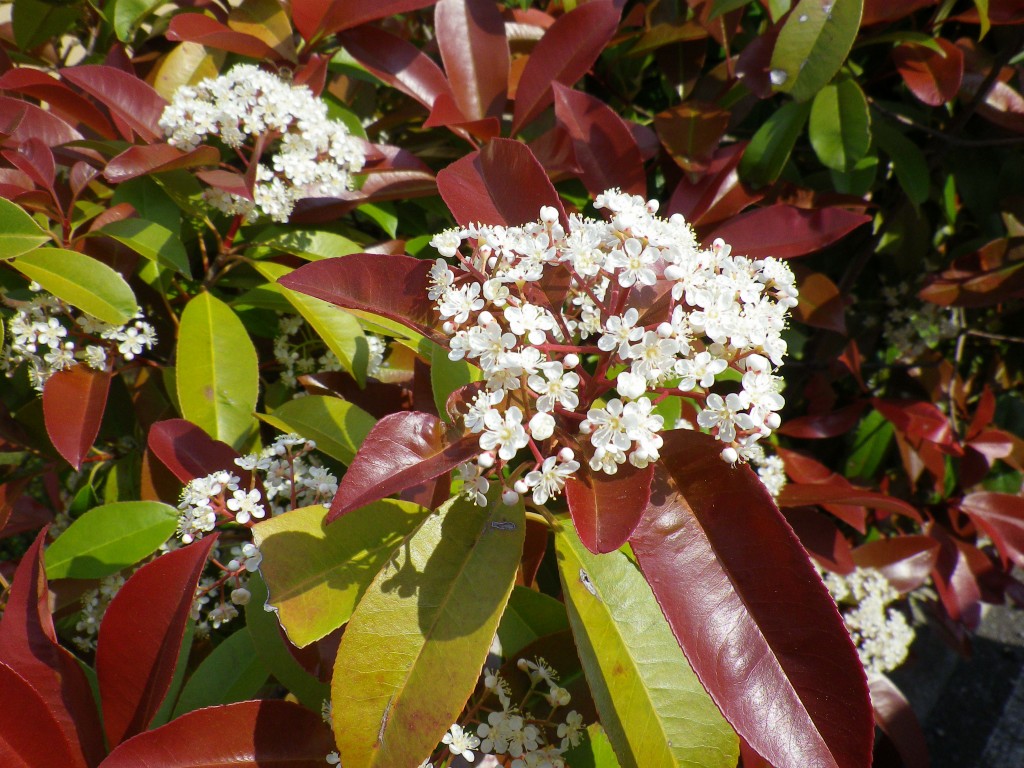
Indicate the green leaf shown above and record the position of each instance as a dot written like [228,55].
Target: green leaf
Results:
[128,13]
[19,232]
[652,705]
[382,215]
[813,44]
[447,375]
[770,148]
[722,7]
[35,22]
[151,241]
[311,244]
[412,652]
[233,672]
[270,647]
[907,161]
[150,201]
[180,668]
[217,372]
[840,126]
[594,752]
[340,331]
[983,19]
[106,539]
[528,616]
[316,573]
[337,426]
[870,444]
[81,281]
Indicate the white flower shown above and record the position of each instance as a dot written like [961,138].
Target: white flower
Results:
[504,432]
[530,321]
[542,425]
[723,414]
[549,480]
[556,386]
[634,261]
[631,385]
[461,743]
[246,505]
[620,332]
[611,425]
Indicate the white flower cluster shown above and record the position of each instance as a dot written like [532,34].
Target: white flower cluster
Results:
[771,470]
[218,594]
[313,156]
[913,327]
[299,351]
[48,335]
[882,634]
[512,731]
[94,605]
[290,479]
[557,318]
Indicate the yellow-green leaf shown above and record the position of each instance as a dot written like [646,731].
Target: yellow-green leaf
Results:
[339,330]
[337,426]
[316,573]
[19,232]
[217,372]
[186,64]
[813,44]
[151,241]
[840,127]
[412,652]
[652,706]
[769,149]
[82,282]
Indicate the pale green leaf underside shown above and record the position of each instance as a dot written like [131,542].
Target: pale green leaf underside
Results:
[337,426]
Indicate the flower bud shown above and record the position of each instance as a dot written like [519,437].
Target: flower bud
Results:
[240,596]
[566,454]
[729,455]
[571,360]
[509,498]
[520,486]
[485,460]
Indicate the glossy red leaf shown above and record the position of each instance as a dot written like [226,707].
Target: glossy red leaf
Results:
[34,159]
[129,99]
[156,158]
[799,495]
[605,149]
[30,735]
[691,131]
[189,452]
[398,63]
[1001,516]
[391,286]
[851,513]
[567,51]
[917,420]
[750,612]
[73,404]
[28,645]
[897,720]
[10,492]
[931,76]
[823,425]
[821,305]
[606,508]
[718,194]
[880,11]
[955,583]
[502,184]
[474,49]
[906,561]
[205,30]
[28,121]
[821,538]
[267,734]
[227,181]
[402,450]
[64,102]
[140,638]
[785,231]
[319,18]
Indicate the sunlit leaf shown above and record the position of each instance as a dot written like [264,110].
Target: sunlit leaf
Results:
[337,426]
[82,282]
[19,233]
[151,241]
[435,607]
[840,127]
[316,573]
[471,38]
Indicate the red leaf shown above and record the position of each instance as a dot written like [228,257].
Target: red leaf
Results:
[391,286]
[28,121]
[606,508]
[799,495]
[228,181]
[918,420]
[718,194]
[474,49]
[248,733]
[402,450]
[73,404]
[605,149]
[128,98]
[28,645]
[823,425]
[898,721]
[750,612]
[785,232]
[879,11]
[567,51]
[10,492]
[931,76]
[906,561]
[140,638]
[502,184]
[955,583]
[398,63]
[691,132]
[189,452]
[1001,516]
[821,305]
[156,158]
[319,18]
[62,101]
[205,30]
[30,735]
[821,538]
[35,159]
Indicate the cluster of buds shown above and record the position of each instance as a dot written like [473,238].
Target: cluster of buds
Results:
[257,113]
[48,335]
[582,332]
